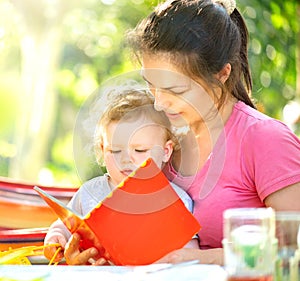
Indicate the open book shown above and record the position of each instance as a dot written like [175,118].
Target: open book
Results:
[142,220]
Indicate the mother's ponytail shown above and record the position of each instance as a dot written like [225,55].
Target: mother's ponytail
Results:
[239,91]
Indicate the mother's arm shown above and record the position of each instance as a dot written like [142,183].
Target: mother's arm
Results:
[211,256]
[285,199]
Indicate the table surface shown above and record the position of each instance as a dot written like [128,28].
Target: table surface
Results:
[157,272]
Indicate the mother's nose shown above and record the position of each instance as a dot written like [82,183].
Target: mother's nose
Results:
[161,101]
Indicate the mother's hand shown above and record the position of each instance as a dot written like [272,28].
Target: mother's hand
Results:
[211,256]
[74,256]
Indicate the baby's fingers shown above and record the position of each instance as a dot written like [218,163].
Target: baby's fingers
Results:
[54,253]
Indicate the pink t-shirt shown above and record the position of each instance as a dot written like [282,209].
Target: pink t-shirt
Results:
[254,157]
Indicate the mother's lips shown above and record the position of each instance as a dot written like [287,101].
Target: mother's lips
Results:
[172,115]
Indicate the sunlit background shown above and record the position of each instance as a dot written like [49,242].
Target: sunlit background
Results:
[55,53]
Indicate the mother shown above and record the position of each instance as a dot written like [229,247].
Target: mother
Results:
[194,58]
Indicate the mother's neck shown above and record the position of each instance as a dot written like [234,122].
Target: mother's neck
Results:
[198,144]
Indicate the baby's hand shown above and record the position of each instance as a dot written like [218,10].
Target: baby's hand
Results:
[51,239]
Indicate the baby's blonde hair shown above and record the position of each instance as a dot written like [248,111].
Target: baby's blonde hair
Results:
[125,104]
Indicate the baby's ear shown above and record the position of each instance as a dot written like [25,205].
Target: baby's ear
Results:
[99,152]
[101,147]
[168,150]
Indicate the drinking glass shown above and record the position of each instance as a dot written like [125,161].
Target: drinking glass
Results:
[249,244]
[288,235]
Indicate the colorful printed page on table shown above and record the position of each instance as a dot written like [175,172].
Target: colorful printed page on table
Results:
[142,220]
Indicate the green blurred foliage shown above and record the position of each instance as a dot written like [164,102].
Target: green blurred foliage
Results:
[273,26]
[93,51]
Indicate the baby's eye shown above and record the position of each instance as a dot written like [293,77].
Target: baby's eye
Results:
[141,150]
[115,151]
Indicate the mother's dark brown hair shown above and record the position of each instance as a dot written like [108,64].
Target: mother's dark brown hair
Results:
[200,38]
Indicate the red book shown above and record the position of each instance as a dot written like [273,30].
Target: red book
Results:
[142,220]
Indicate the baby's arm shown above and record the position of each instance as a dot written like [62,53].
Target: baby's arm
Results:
[57,234]
[189,204]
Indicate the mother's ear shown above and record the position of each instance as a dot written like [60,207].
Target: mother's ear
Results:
[223,75]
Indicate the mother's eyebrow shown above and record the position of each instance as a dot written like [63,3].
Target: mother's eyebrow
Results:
[166,88]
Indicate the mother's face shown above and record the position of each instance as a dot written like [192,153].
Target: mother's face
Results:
[184,101]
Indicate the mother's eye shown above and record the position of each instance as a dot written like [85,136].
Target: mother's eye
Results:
[175,92]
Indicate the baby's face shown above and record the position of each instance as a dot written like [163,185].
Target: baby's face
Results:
[127,144]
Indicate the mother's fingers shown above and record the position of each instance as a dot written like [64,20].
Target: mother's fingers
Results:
[81,258]
[102,261]
[181,255]
[211,256]
[72,249]
[73,255]
[172,257]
